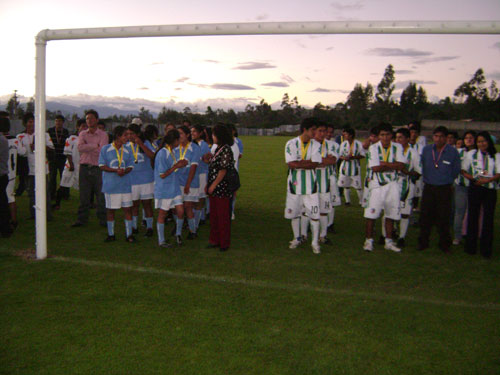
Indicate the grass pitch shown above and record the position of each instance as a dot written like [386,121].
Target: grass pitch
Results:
[260,308]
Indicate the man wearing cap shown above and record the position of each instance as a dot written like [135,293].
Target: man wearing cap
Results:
[440,168]
[136,121]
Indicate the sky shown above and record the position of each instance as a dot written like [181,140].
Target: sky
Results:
[232,71]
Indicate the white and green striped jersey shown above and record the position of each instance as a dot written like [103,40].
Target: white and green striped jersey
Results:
[394,153]
[418,147]
[333,147]
[323,174]
[482,165]
[351,167]
[413,164]
[461,180]
[302,181]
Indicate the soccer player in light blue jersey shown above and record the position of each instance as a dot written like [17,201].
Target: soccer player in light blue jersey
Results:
[167,191]
[116,162]
[197,133]
[142,178]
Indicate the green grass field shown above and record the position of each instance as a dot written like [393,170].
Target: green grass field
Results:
[260,308]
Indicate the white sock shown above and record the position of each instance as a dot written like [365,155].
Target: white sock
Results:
[347,195]
[323,221]
[330,217]
[403,227]
[315,231]
[296,227]
[304,225]
[134,222]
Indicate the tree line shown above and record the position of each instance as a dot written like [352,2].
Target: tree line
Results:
[364,107]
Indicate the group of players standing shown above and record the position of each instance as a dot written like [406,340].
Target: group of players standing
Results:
[392,180]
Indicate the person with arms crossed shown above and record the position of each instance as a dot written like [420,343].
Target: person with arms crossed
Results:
[350,152]
[303,156]
[335,197]
[482,168]
[385,158]
[90,143]
[116,162]
[58,134]
[440,167]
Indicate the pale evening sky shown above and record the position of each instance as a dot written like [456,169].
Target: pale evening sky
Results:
[231,71]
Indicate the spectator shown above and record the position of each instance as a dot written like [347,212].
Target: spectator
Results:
[58,134]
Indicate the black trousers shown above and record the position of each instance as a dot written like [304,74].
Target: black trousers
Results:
[90,180]
[55,166]
[480,197]
[435,209]
[4,206]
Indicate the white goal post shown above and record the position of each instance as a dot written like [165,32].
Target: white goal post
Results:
[254,28]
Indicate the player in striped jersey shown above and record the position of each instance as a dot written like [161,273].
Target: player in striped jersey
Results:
[385,158]
[14,146]
[334,188]
[350,152]
[372,139]
[417,142]
[303,156]
[407,177]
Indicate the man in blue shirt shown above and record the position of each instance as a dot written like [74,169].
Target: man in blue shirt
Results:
[440,168]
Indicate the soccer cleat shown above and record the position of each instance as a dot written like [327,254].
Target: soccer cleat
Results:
[131,239]
[110,238]
[178,239]
[368,245]
[390,246]
[316,248]
[325,240]
[165,245]
[295,243]
[149,232]
[331,229]
[401,242]
[191,236]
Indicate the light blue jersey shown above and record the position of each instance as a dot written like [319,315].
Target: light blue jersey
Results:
[112,183]
[192,155]
[142,172]
[204,149]
[168,187]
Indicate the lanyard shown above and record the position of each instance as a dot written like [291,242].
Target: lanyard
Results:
[303,150]
[436,165]
[134,151]
[351,148]
[119,155]
[171,153]
[386,153]
[182,155]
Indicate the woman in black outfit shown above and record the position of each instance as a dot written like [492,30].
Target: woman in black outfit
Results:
[217,189]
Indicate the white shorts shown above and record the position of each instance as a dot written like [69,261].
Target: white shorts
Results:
[350,181]
[10,191]
[143,192]
[385,198]
[117,201]
[296,204]
[192,196]
[69,178]
[325,203]
[335,198]
[167,204]
[203,184]
[407,204]
[419,188]
[364,199]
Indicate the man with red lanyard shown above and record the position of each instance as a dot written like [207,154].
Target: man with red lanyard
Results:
[440,167]
[90,143]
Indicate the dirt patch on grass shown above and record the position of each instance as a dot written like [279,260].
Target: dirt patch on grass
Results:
[28,254]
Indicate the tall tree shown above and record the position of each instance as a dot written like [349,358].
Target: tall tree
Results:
[386,86]
[12,104]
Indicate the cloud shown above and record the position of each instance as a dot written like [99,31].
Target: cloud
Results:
[404,84]
[494,75]
[211,61]
[182,79]
[320,89]
[403,71]
[262,17]
[254,65]
[300,44]
[496,46]
[329,49]
[157,63]
[287,78]
[407,52]
[143,88]
[276,84]
[230,86]
[435,59]
[452,68]
[342,6]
